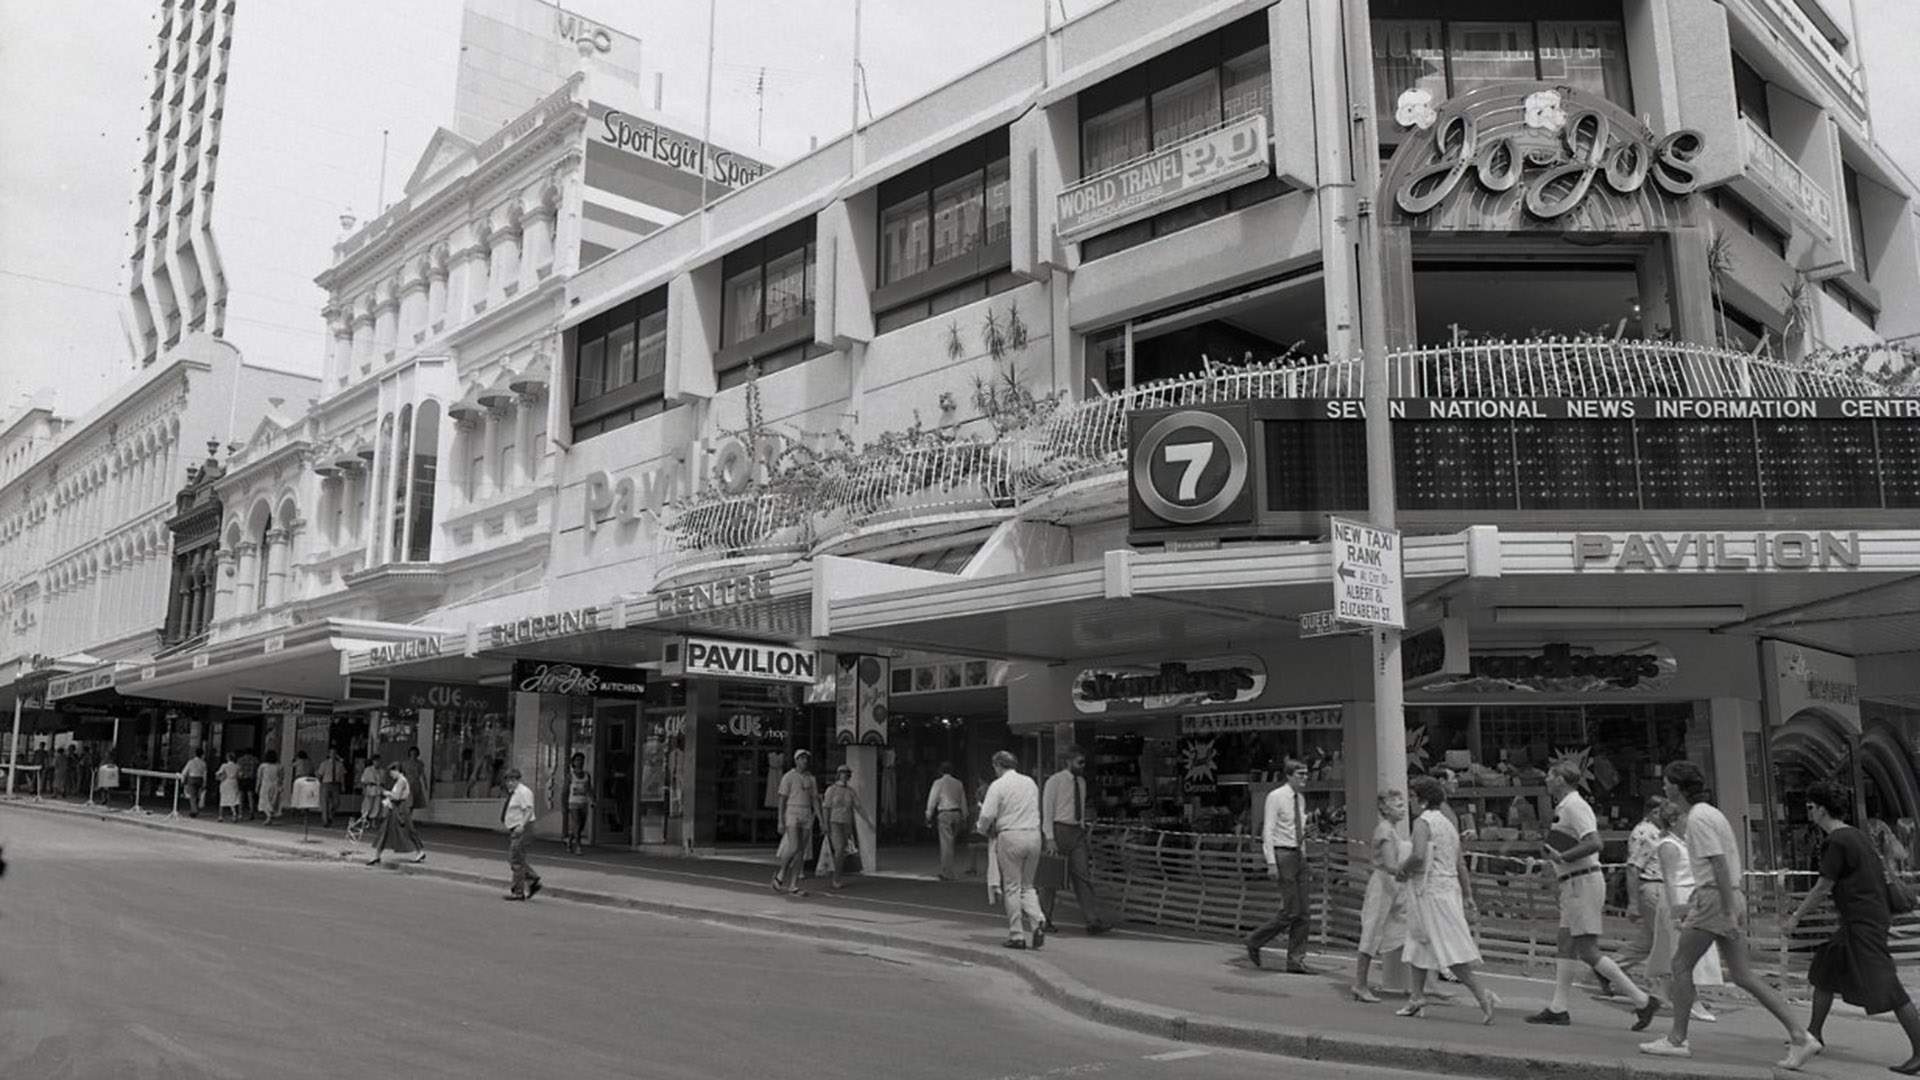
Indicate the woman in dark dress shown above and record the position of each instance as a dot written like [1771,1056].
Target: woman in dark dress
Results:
[1855,964]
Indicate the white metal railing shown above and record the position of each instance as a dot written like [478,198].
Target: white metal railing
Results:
[1776,170]
[1089,438]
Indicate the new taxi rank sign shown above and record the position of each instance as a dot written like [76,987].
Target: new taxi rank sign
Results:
[1366,575]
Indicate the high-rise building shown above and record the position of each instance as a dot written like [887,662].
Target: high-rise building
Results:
[513,53]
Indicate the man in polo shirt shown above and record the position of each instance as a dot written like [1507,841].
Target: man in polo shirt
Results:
[1063,832]
[1644,884]
[799,810]
[1283,829]
[1573,850]
[947,814]
[333,777]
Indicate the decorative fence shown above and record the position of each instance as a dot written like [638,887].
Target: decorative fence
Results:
[1217,884]
[1089,438]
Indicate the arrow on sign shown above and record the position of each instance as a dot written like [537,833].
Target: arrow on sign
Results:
[1348,572]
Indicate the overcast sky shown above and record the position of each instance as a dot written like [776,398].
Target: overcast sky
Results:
[75,91]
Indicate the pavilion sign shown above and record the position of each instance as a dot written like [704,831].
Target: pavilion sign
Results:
[1656,551]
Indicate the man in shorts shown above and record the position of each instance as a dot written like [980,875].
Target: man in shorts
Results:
[1573,850]
[1716,919]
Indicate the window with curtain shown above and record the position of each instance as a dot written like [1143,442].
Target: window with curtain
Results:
[957,206]
[1185,109]
[767,304]
[1450,57]
[943,224]
[905,248]
[619,369]
[999,201]
[1246,85]
[1116,136]
[620,356]
[742,299]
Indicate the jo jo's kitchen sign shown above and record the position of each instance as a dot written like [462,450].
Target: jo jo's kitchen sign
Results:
[1227,156]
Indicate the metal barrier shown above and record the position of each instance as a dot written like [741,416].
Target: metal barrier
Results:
[13,783]
[155,774]
[1217,884]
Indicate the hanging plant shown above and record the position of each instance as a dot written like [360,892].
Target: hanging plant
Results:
[955,347]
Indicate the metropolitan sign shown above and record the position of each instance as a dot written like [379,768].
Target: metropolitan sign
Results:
[1366,575]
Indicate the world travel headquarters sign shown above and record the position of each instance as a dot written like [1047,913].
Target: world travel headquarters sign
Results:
[1227,156]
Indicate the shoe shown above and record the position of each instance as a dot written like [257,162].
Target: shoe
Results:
[1294,967]
[1664,1047]
[1909,1067]
[375,861]
[1489,1001]
[1364,996]
[1800,1053]
[1040,936]
[1047,925]
[1551,1018]
[1701,1014]
[777,885]
[1411,1009]
[1253,955]
[1644,1015]
[534,887]
[420,858]
[514,896]
[1016,943]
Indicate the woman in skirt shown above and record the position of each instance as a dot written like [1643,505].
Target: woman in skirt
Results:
[1855,963]
[269,780]
[1438,937]
[229,775]
[1383,917]
[396,827]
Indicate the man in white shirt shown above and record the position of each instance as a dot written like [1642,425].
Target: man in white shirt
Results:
[1063,832]
[946,813]
[1716,918]
[194,777]
[332,777]
[1010,814]
[1283,830]
[798,805]
[517,816]
[1573,850]
[1644,884]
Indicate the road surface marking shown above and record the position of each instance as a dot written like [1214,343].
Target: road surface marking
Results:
[1178,1055]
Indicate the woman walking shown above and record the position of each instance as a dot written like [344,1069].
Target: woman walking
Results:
[841,804]
[269,779]
[1676,870]
[396,832]
[1383,917]
[1438,937]
[229,775]
[1855,962]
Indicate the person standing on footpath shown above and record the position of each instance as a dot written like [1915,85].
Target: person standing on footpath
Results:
[1716,919]
[62,766]
[841,804]
[1010,815]
[1855,963]
[193,780]
[946,814]
[396,829]
[797,802]
[1283,832]
[1439,937]
[1063,832]
[579,803]
[332,775]
[1383,914]
[269,785]
[370,788]
[517,815]
[1645,885]
[249,784]
[230,798]
[1573,851]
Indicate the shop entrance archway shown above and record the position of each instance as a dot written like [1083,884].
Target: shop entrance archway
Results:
[1811,747]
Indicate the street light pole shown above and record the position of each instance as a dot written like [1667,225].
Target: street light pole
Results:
[1389,699]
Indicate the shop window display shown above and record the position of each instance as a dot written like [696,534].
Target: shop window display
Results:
[470,750]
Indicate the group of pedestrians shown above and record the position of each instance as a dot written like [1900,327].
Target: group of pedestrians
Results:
[803,811]
[1688,898]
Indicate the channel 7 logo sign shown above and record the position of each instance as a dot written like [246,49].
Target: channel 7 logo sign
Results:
[1190,467]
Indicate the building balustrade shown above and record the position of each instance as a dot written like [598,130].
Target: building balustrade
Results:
[1791,186]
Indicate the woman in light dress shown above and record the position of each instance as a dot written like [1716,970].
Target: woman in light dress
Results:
[229,775]
[269,784]
[1676,872]
[1438,938]
[1383,918]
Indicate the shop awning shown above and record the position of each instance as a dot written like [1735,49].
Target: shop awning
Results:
[1828,590]
[294,661]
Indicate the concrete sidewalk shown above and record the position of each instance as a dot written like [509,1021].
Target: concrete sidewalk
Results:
[1162,984]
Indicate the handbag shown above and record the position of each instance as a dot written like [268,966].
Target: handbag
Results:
[1900,896]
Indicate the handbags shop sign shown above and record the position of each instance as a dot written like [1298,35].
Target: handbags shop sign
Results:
[1560,668]
[578,680]
[714,658]
[1226,680]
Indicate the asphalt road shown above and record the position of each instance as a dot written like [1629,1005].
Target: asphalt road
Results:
[129,953]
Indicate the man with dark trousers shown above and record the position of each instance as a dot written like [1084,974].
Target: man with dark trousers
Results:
[1283,832]
[1063,832]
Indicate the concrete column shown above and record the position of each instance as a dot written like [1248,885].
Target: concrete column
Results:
[276,556]
[518,474]
[479,270]
[700,765]
[1728,721]
[386,320]
[362,346]
[246,572]
[490,478]
[537,258]
[413,306]
[339,347]
[506,252]
[865,761]
[437,290]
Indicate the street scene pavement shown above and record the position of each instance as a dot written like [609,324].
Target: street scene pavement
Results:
[133,953]
[137,943]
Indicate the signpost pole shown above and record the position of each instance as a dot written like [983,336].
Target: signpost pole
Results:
[1389,704]
[13,744]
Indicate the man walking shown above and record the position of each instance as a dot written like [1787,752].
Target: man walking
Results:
[946,814]
[1063,831]
[517,815]
[332,776]
[1283,830]
[799,809]
[1010,814]
[193,781]
[1716,917]
[1644,884]
[1573,850]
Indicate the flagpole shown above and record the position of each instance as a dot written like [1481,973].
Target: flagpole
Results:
[706,124]
[853,129]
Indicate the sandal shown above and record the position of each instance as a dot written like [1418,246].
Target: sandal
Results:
[1411,1009]
[1364,996]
